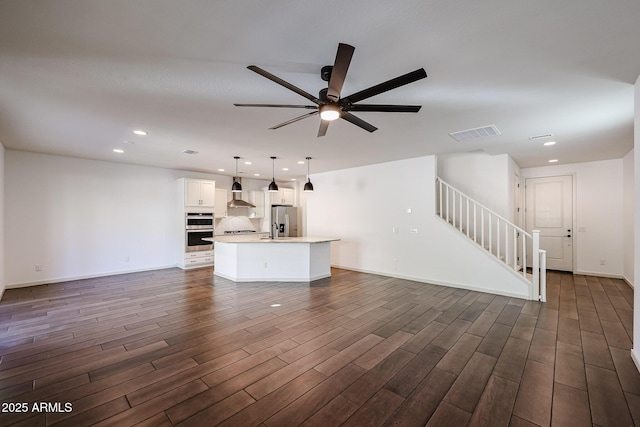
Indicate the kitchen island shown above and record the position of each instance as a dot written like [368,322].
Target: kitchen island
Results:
[283,259]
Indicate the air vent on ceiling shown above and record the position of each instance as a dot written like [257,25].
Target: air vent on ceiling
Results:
[189,152]
[546,135]
[475,133]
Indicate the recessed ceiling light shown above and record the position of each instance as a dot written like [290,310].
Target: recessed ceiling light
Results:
[301,162]
[553,160]
[220,170]
[549,143]
[293,179]
[275,305]
[127,142]
[285,169]
[140,132]
[187,151]
[256,174]
[117,150]
[247,163]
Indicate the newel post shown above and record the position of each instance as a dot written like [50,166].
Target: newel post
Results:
[535,258]
[543,275]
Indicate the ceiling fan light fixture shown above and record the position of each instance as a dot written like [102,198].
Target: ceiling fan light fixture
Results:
[329,112]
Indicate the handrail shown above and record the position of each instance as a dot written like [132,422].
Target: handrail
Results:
[459,210]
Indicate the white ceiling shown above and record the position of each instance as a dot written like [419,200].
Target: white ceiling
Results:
[78,76]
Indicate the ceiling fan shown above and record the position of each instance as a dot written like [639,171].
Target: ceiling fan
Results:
[330,105]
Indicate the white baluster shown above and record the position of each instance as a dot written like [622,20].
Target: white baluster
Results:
[490,232]
[524,256]
[535,258]
[460,207]
[515,249]
[482,225]
[467,217]
[543,275]
[498,238]
[506,243]
[447,203]
[440,197]
[475,223]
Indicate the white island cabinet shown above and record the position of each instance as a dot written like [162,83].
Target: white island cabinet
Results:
[290,259]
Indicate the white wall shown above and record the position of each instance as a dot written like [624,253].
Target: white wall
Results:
[363,205]
[82,218]
[628,217]
[485,178]
[2,271]
[599,210]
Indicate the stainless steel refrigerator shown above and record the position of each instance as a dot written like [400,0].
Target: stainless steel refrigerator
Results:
[284,221]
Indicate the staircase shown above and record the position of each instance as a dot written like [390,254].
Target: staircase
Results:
[516,249]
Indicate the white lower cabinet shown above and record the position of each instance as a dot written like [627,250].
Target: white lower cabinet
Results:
[198,259]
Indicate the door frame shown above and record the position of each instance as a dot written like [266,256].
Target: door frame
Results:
[574,209]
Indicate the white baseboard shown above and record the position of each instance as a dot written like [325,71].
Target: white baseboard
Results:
[439,283]
[635,356]
[628,282]
[89,276]
[591,273]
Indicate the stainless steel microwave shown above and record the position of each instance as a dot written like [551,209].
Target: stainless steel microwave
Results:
[199,220]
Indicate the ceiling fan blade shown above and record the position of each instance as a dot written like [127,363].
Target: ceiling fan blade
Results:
[324,125]
[308,107]
[281,82]
[384,108]
[386,86]
[288,122]
[358,121]
[339,71]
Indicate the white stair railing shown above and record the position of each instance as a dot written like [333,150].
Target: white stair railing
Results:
[507,242]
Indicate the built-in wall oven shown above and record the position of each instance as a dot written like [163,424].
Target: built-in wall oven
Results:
[198,226]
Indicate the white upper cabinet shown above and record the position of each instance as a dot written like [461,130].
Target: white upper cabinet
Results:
[284,196]
[257,198]
[200,193]
[221,203]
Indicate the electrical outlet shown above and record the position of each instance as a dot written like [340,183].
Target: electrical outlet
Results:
[409,210]
[395,229]
[264,264]
[414,230]
[38,267]
[603,261]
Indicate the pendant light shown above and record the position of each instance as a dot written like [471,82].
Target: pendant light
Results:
[308,187]
[236,187]
[273,187]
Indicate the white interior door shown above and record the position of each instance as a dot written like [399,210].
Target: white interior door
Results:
[549,208]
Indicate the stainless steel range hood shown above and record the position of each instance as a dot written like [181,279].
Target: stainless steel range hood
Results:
[238,203]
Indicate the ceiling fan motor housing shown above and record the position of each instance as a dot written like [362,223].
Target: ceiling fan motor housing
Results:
[325,72]
[322,95]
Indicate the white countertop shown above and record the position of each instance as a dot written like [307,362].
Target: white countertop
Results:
[256,239]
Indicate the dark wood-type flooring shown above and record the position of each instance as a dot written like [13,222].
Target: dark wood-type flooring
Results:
[170,347]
